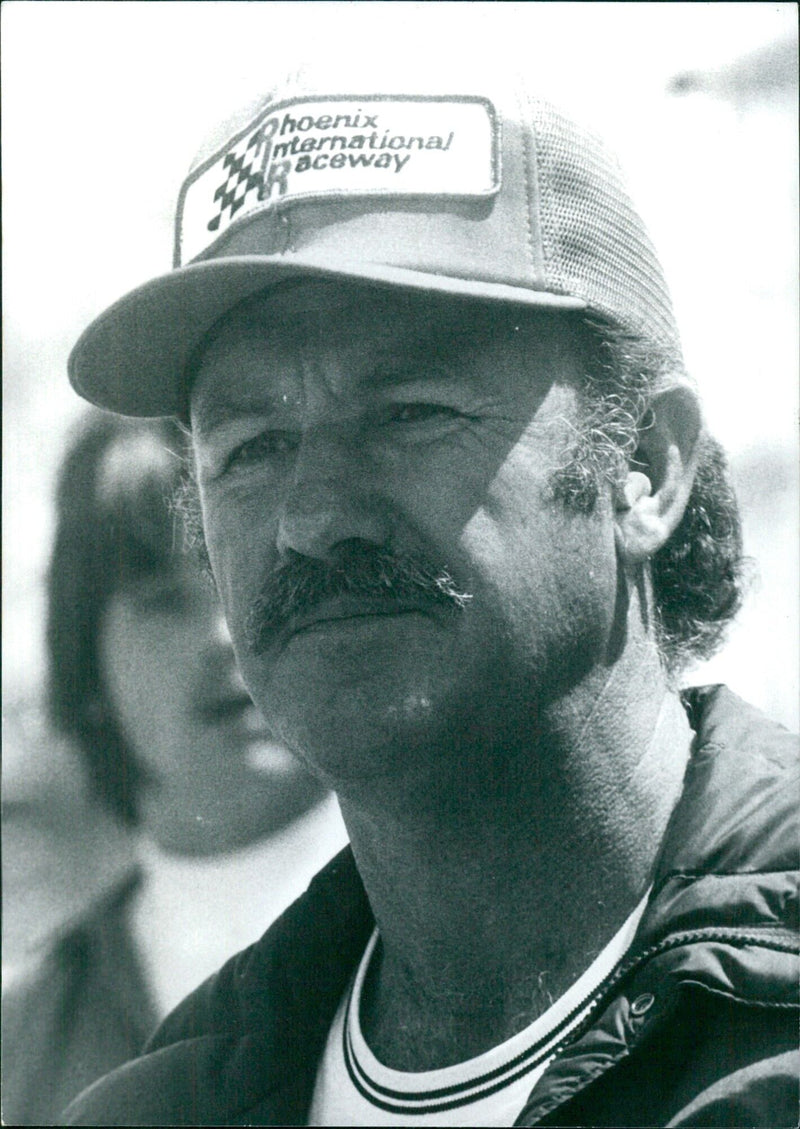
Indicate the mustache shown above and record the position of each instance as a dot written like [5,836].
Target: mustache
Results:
[300,583]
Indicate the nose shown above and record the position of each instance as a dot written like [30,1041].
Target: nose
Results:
[213,644]
[332,498]
[219,635]
[214,658]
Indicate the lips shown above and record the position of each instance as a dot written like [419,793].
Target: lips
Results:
[228,708]
[346,609]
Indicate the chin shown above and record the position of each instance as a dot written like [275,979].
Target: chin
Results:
[389,711]
[271,759]
[357,741]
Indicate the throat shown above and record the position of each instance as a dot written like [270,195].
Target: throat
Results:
[486,938]
[411,1028]
[433,1034]
[490,913]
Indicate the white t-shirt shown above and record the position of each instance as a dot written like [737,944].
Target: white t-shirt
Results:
[191,914]
[353,1088]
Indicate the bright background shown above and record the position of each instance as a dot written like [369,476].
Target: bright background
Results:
[105,103]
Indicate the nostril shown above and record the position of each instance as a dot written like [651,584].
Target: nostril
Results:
[318,531]
[354,549]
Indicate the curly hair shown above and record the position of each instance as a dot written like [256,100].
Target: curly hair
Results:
[698,575]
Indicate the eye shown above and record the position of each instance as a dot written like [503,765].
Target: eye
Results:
[421,412]
[161,598]
[264,446]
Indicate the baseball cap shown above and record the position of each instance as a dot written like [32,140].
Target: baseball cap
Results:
[477,188]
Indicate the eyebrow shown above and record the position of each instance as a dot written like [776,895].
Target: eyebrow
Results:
[215,409]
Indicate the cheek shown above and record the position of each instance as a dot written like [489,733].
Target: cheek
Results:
[241,547]
[231,530]
[548,573]
[136,699]
[145,677]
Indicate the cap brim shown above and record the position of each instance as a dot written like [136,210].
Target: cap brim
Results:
[132,359]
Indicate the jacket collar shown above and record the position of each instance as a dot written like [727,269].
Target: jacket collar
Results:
[731,847]
[720,875]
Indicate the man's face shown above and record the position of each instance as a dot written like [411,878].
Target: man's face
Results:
[338,429]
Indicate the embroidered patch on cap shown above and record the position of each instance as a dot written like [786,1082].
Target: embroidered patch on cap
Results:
[340,147]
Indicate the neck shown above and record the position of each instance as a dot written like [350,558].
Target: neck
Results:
[495,890]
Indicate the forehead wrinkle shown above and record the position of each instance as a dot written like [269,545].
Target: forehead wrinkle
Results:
[213,407]
[314,358]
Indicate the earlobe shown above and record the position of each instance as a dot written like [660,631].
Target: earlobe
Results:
[635,487]
[650,502]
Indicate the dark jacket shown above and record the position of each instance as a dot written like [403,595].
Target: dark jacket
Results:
[86,1010]
[698,1027]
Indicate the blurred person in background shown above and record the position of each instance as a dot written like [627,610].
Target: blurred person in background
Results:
[51,873]
[195,822]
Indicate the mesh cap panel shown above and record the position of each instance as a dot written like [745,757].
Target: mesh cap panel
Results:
[593,242]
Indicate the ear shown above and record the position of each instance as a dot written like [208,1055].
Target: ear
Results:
[650,502]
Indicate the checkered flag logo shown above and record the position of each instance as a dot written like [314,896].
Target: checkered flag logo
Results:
[242,176]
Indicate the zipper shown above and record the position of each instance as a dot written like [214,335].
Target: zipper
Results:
[781,940]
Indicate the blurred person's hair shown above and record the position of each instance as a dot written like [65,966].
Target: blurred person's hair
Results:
[114,524]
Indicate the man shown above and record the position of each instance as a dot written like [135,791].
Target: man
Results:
[466,525]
